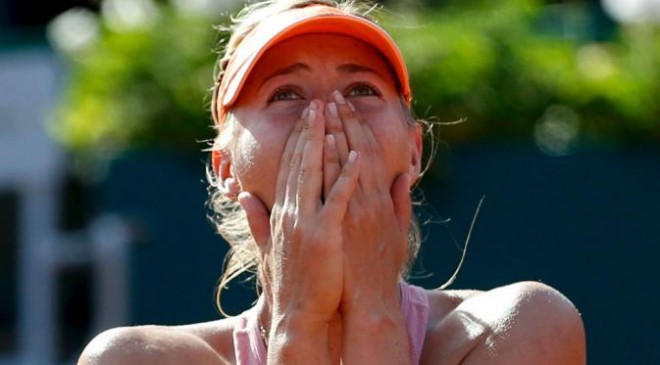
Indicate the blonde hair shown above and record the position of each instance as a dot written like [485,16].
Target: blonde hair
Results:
[227,215]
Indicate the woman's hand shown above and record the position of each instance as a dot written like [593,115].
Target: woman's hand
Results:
[301,240]
[375,227]
[374,232]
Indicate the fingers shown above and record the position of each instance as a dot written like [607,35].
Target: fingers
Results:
[294,163]
[360,137]
[310,172]
[285,160]
[335,127]
[311,163]
[340,195]
[349,123]
[257,217]
[291,193]
[331,164]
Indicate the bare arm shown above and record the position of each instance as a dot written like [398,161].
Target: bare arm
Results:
[522,323]
[148,345]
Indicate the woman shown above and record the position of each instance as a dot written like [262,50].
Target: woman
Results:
[312,167]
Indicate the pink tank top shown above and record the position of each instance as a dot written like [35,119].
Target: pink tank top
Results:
[250,349]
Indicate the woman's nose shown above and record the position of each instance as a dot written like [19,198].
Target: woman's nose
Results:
[324,93]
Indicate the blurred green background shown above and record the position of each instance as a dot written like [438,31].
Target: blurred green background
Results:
[547,108]
[560,74]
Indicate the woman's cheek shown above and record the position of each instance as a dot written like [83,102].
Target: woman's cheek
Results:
[377,108]
[257,156]
[287,112]
[245,156]
[382,118]
[391,130]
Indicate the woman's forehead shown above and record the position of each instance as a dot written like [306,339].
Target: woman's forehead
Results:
[308,51]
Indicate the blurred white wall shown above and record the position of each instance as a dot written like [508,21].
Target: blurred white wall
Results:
[31,166]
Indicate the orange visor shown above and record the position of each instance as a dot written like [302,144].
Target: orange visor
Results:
[295,22]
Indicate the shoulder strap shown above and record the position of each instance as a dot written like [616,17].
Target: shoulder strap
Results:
[415,309]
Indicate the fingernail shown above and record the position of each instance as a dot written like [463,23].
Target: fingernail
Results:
[330,140]
[312,112]
[332,107]
[350,105]
[241,197]
[305,113]
[352,156]
[339,98]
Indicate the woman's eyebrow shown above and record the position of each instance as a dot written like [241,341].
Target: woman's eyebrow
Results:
[352,68]
[293,68]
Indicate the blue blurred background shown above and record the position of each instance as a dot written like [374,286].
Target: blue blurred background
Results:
[547,108]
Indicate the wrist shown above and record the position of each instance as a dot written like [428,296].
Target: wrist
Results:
[362,304]
[297,324]
[375,313]
[291,333]
[377,337]
[374,320]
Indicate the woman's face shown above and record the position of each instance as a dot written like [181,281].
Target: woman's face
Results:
[310,67]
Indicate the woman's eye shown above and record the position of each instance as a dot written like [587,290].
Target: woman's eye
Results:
[362,90]
[284,94]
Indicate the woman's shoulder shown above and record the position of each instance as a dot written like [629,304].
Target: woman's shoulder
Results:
[520,323]
[208,343]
